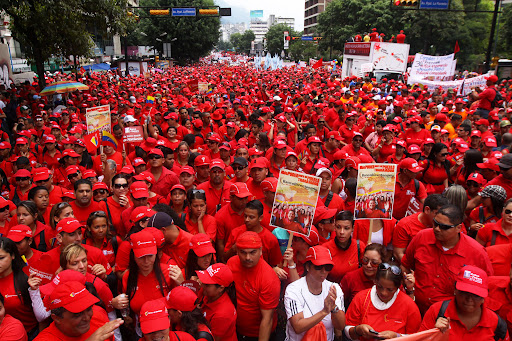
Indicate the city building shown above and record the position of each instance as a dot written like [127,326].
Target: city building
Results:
[312,10]
[272,20]
[228,29]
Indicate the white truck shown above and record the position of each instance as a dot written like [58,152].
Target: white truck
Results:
[381,59]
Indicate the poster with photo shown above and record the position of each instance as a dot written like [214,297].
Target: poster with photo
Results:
[98,119]
[375,191]
[295,201]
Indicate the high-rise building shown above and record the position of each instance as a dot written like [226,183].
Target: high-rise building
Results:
[312,9]
[228,29]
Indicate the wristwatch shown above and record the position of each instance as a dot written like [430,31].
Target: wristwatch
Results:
[292,266]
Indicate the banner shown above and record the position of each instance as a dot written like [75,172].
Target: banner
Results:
[464,85]
[133,134]
[390,56]
[433,68]
[98,118]
[427,335]
[375,191]
[257,13]
[295,201]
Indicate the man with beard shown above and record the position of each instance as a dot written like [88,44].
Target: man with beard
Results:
[217,188]
[83,205]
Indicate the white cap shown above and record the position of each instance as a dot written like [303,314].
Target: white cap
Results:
[277,98]
[323,169]
[132,99]
[129,118]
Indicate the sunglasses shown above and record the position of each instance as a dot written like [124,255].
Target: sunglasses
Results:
[395,270]
[23,179]
[443,226]
[100,191]
[326,267]
[41,181]
[375,263]
[119,186]
[508,212]
[195,191]
[72,176]
[3,209]
[155,157]
[238,168]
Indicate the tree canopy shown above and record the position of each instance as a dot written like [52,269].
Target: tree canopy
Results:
[242,41]
[275,38]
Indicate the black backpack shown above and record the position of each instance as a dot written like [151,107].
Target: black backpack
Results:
[501,328]
[497,98]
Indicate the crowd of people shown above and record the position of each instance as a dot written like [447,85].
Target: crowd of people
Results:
[172,238]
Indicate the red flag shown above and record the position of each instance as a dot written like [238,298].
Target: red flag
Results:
[457,48]
[318,64]
[92,142]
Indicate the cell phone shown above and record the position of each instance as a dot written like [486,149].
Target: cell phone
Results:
[376,335]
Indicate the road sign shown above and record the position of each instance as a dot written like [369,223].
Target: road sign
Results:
[434,4]
[183,12]
[307,38]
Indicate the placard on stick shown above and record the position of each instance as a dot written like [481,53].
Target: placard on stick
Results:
[295,201]
[133,134]
[98,119]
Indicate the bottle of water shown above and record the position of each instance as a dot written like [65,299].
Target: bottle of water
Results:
[125,311]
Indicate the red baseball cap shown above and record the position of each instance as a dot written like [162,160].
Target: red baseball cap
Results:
[19,232]
[279,144]
[335,135]
[218,273]
[89,173]
[178,186]
[99,185]
[249,240]
[410,164]
[5,145]
[138,161]
[182,299]
[201,160]
[128,169]
[50,139]
[490,142]
[352,161]
[214,137]
[139,189]
[312,239]
[314,139]
[156,151]
[72,170]
[217,163]
[462,147]
[141,212]
[62,277]
[68,194]
[70,152]
[269,185]
[41,173]
[323,212]
[319,255]
[201,244]
[72,296]
[260,162]
[477,177]
[187,169]
[21,140]
[474,280]
[143,243]
[154,316]
[482,121]
[290,153]
[413,149]
[491,163]
[240,190]
[68,225]
[476,133]
[157,234]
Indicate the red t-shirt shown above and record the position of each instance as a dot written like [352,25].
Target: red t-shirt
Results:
[501,257]
[116,211]
[436,270]
[107,248]
[215,197]
[165,182]
[505,183]
[484,330]
[12,329]
[255,188]
[227,220]
[14,306]
[336,202]
[344,260]
[403,196]
[401,317]
[271,252]
[256,288]
[385,151]
[148,288]
[209,225]
[486,234]
[354,282]
[406,229]
[179,249]
[221,315]
[52,333]
[82,213]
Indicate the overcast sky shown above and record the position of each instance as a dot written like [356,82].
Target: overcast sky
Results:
[281,8]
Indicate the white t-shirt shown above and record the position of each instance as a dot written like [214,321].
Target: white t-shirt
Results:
[298,298]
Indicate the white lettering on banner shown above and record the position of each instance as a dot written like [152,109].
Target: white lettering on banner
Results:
[465,86]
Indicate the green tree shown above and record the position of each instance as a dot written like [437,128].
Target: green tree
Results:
[196,36]
[49,28]
[275,38]
[224,46]
[505,32]
[302,50]
[242,41]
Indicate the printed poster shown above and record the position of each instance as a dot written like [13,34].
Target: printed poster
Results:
[98,119]
[375,191]
[202,87]
[432,68]
[133,134]
[295,201]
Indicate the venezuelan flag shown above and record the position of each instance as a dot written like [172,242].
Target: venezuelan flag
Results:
[150,99]
[107,139]
[210,90]
[295,105]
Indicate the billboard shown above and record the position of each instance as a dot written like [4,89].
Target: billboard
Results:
[257,13]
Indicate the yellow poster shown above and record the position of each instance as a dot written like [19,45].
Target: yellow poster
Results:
[98,119]
[375,191]
[295,201]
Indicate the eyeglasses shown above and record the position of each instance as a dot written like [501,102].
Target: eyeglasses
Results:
[41,181]
[326,267]
[23,179]
[508,212]
[200,191]
[3,209]
[444,226]
[119,186]
[155,157]
[375,263]
[394,269]
[72,176]
[100,191]
[238,168]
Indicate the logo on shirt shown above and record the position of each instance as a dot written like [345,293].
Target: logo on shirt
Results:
[472,277]
[409,192]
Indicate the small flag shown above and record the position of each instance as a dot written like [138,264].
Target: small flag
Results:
[92,142]
[295,105]
[457,48]
[107,139]
[150,99]
[318,64]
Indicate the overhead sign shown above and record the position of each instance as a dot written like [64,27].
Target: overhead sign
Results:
[434,4]
[358,49]
[183,12]
[307,38]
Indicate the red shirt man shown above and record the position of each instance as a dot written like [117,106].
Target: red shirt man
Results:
[217,188]
[83,205]
[257,288]
[165,178]
[437,255]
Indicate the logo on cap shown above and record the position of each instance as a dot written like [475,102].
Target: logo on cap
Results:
[472,277]
[73,294]
[211,271]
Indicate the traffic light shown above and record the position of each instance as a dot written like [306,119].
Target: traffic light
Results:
[295,38]
[209,11]
[406,3]
[317,38]
[157,59]
[159,12]
[494,62]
